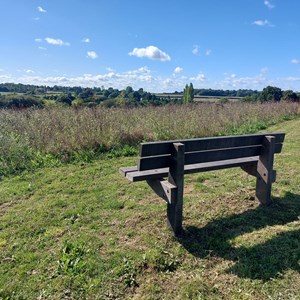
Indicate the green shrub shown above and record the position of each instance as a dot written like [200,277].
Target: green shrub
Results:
[15,153]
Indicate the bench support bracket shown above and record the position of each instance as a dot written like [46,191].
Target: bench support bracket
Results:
[163,188]
[251,169]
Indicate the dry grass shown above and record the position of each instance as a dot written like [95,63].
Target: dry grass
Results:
[65,130]
[34,138]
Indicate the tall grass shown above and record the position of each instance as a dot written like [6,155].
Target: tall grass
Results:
[30,138]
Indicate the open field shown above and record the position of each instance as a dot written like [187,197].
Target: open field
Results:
[81,231]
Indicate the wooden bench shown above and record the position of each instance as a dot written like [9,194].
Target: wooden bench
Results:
[254,153]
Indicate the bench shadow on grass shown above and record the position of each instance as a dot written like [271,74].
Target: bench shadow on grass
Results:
[259,261]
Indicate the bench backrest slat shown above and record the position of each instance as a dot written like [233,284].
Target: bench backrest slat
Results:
[164,161]
[165,147]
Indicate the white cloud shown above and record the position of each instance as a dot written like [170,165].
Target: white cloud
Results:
[86,40]
[208,52]
[264,70]
[5,78]
[232,81]
[42,48]
[150,52]
[268,4]
[57,42]
[143,77]
[136,78]
[295,61]
[92,54]
[40,9]
[38,40]
[293,78]
[178,70]
[196,50]
[200,77]
[263,23]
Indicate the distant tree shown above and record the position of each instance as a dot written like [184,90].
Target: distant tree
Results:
[134,96]
[191,92]
[128,90]
[289,95]
[109,103]
[87,93]
[19,101]
[66,99]
[271,93]
[114,94]
[121,99]
[188,94]
[252,98]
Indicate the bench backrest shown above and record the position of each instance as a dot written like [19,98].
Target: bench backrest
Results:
[156,155]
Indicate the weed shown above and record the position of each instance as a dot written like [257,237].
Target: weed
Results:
[71,261]
[162,260]
[128,272]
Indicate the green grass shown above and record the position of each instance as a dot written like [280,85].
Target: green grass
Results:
[84,232]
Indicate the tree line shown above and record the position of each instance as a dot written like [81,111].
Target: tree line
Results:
[225,93]
[272,93]
[23,96]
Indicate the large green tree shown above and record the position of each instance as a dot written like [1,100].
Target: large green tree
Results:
[271,93]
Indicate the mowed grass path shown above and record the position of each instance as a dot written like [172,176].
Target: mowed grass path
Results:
[85,232]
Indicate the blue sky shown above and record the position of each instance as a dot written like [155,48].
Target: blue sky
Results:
[159,45]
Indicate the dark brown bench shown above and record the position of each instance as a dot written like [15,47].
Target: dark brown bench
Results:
[254,153]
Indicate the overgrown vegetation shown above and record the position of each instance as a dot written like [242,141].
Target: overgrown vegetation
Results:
[81,231]
[34,138]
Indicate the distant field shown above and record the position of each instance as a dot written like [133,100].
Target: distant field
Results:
[200,98]
[11,93]
[215,99]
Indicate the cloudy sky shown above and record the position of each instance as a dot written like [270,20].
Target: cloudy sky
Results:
[159,45]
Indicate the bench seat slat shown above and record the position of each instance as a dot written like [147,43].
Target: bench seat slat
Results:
[199,144]
[135,175]
[124,170]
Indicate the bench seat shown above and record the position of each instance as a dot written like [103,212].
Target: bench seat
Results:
[132,173]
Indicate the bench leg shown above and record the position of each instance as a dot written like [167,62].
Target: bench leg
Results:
[176,177]
[265,172]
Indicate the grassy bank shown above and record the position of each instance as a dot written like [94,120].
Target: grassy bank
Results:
[35,138]
[84,232]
